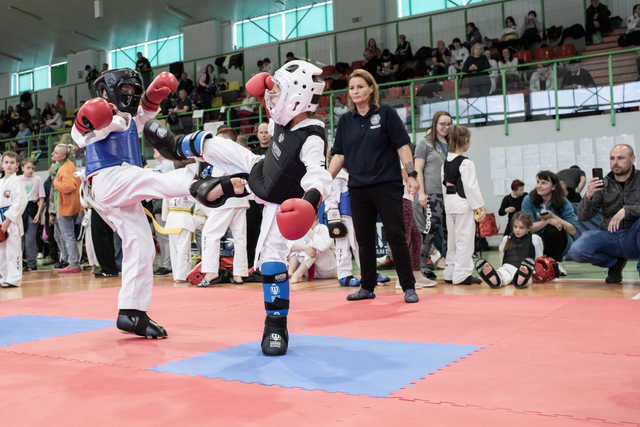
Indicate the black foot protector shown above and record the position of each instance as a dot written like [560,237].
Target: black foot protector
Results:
[487,277]
[137,322]
[202,187]
[275,339]
[163,140]
[521,279]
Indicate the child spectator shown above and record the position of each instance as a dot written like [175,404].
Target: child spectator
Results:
[473,34]
[530,30]
[34,189]
[512,202]
[313,249]
[519,251]
[12,203]
[459,54]
[461,198]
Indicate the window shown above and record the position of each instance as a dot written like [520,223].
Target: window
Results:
[416,7]
[158,52]
[288,24]
[39,78]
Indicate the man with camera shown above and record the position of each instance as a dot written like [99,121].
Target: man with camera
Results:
[618,197]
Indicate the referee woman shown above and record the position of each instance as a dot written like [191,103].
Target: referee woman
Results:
[370,143]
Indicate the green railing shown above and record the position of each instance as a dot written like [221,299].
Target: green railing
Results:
[224,113]
[193,64]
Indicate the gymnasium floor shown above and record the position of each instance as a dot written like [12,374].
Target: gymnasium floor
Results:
[559,354]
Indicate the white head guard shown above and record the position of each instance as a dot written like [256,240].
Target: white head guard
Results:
[299,91]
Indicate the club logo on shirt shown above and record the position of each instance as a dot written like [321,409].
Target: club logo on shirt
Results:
[281,137]
[275,149]
[375,121]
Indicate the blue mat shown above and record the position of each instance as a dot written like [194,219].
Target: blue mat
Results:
[28,327]
[332,364]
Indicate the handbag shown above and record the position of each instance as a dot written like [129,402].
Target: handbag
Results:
[488,226]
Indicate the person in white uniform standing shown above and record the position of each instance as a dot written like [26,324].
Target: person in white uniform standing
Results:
[290,179]
[107,127]
[13,201]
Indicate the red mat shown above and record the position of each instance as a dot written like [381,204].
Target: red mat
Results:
[546,361]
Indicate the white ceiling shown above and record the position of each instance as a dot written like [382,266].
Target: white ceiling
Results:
[58,27]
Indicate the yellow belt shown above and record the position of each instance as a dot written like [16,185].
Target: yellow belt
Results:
[160,229]
[184,210]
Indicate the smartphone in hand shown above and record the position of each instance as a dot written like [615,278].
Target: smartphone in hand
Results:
[597,173]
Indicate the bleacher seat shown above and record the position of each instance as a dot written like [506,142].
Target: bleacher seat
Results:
[325,100]
[565,51]
[356,64]
[327,84]
[328,70]
[393,92]
[524,56]
[448,86]
[544,53]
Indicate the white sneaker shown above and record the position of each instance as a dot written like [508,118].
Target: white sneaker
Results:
[561,269]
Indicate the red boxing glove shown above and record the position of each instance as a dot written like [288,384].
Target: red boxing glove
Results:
[94,114]
[3,235]
[257,85]
[295,218]
[159,89]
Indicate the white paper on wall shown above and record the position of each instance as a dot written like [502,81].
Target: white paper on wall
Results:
[498,187]
[566,154]
[498,173]
[586,163]
[604,144]
[497,158]
[531,156]
[514,156]
[548,159]
[586,146]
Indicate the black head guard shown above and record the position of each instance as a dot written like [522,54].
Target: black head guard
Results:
[111,81]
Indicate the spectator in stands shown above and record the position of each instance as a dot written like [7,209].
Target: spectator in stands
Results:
[21,137]
[473,35]
[267,66]
[442,57]
[387,67]
[574,180]
[530,30]
[512,203]
[338,109]
[370,62]
[105,67]
[632,35]
[264,139]
[260,65]
[459,54]
[541,79]
[143,66]
[512,75]
[510,30]
[185,84]
[290,57]
[5,128]
[61,106]
[495,74]
[576,76]
[403,50]
[55,122]
[91,74]
[617,196]
[67,186]
[371,44]
[554,218]
[46,111]
[184,123]
[206,86]
[598,21]
[479,83]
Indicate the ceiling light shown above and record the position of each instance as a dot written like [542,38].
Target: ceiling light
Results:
[26,12]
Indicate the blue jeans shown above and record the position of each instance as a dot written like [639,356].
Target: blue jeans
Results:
[591,224]
[67,229]
[603,248]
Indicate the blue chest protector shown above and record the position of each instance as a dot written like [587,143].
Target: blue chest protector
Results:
[344,206]
[115,149]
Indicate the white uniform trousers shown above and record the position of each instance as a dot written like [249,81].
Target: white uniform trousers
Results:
[163,244]
[180,248]
[460,244]
[343,254]
[214,229]
[506,273]
[11,256]
[88,239]
[118,192]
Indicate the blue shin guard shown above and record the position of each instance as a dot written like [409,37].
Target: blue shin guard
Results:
[275,284]
[191,144]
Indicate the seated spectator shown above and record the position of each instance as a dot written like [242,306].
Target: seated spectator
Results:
[632,35]
[91,74]
[495,74]
[442,57]
[21,137]
[185,84]
[55,122]
[105,67]
[512,74]
[267,66]
[479,82]
[5,129]
[387,67]
[46,111]
[342,68]
[61,106]
[530,30]
[459,54]
[617,196]
[181,124]
[512,202]
[510,31]
[289,57]
[370,62]
[403,51]
[574,180]
[541,79]
[473,35]
[371,44]
[314,249]
[553,216]
[576,76]
[260,65]
[598,21]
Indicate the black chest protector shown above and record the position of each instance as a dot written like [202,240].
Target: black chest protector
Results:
[520,249]
[452,178]
[277,177]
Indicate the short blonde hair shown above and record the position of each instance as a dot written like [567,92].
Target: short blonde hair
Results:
[374,99]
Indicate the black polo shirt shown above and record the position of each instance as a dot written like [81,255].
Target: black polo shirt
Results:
[369,144]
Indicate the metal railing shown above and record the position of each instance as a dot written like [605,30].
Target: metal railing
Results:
[414,102]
